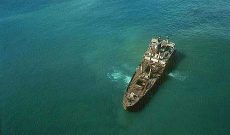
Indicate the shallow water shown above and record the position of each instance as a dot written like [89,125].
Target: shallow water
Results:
[65,65]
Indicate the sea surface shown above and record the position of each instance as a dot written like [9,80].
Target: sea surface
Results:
[64,66]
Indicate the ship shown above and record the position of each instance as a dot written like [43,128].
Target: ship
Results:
[149,74]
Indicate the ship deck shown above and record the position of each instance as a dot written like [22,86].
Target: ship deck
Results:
[148,72]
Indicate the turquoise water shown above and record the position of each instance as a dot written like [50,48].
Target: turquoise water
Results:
[65,65]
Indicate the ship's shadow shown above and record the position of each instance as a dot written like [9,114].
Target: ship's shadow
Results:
[177,58]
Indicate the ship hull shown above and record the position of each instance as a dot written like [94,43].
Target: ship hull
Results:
[145,99]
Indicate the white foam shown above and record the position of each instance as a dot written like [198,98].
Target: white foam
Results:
[119,76]
[116,75]
[178,76]
[127,79]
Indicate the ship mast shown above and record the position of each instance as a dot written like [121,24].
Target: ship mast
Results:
[141,67]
